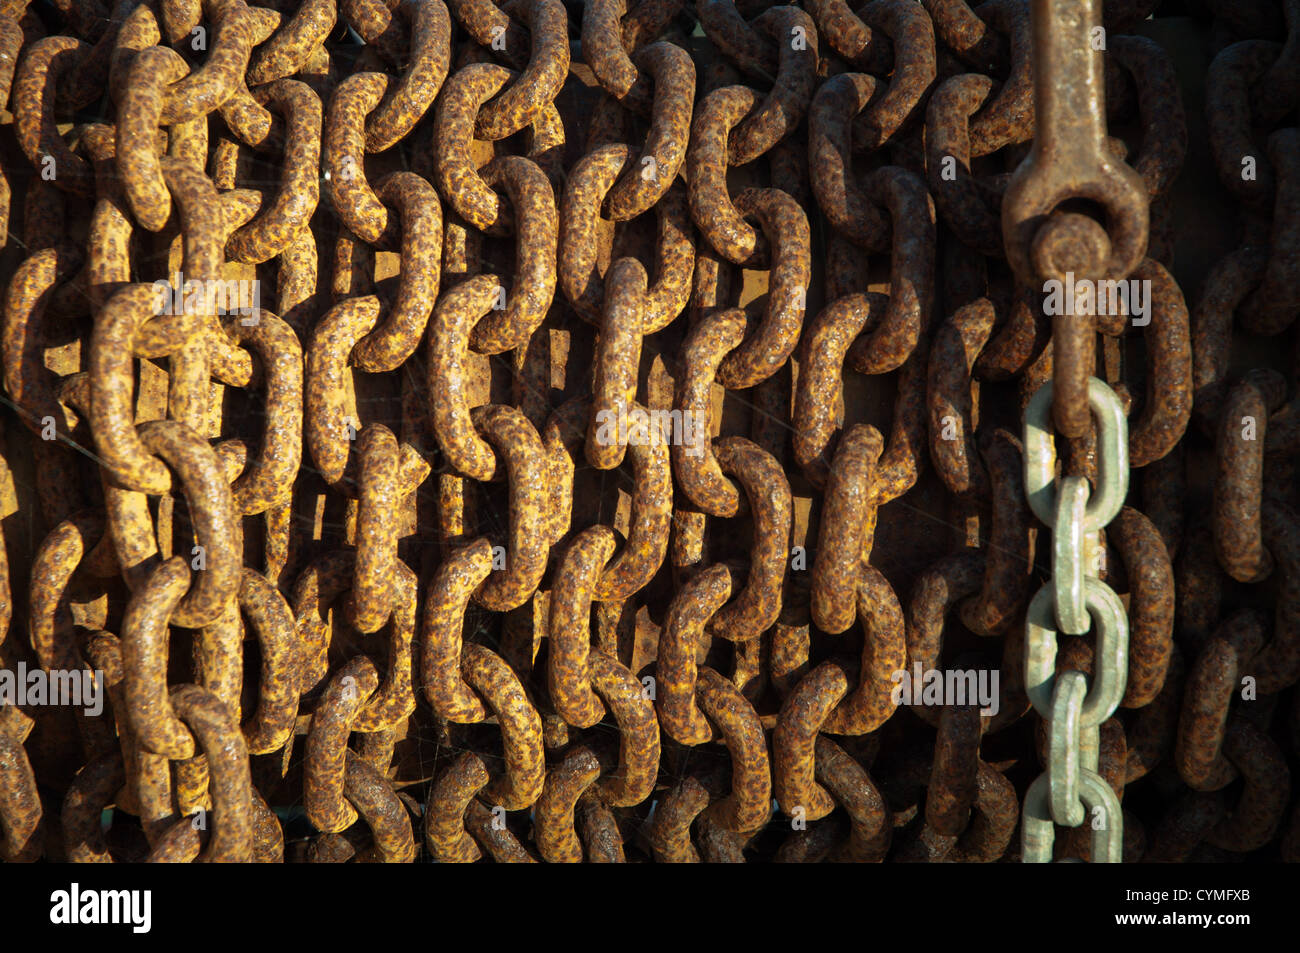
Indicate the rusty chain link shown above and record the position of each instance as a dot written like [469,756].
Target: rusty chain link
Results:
[542,431]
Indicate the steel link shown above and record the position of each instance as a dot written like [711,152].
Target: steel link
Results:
[479,441]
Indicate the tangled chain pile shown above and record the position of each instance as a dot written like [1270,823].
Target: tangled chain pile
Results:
[546,497]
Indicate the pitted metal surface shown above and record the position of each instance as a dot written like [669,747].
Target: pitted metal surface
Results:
[557,432]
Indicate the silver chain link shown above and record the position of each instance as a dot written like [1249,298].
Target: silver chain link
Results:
[1073,602]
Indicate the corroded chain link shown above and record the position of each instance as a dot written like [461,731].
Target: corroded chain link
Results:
[443,429]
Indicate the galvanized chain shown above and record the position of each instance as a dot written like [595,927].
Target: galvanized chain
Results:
[1073,602]
[564,494]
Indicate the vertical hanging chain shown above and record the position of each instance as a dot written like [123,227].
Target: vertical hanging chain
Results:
[1073,602]
[1069,159]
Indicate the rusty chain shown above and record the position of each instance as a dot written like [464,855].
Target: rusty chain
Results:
[556,431]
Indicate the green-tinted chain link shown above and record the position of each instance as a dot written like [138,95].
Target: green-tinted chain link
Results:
[1071,792]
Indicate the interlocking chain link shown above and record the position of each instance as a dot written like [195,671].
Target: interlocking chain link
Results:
[1072,602]
[592,432]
